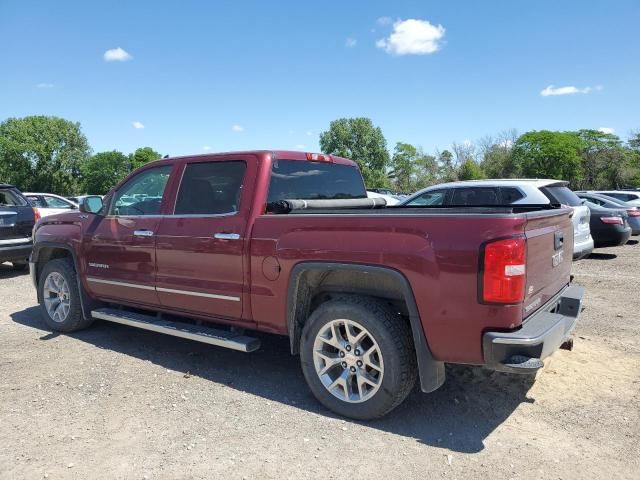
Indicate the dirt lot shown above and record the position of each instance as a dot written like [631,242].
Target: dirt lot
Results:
[114,402]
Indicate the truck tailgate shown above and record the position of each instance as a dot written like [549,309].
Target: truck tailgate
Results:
[549,256]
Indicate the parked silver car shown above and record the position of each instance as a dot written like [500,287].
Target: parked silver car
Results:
[512,192]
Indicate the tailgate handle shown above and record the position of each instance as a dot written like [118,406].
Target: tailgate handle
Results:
[558,240]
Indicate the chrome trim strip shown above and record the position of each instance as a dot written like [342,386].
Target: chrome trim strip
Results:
[198,294]
[119,284]
[15,241]
[162,289]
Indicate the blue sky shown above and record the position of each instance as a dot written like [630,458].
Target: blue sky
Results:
[231,75]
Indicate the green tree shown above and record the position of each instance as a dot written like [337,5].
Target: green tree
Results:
[426,170]
[470,170]
[359,140]
[446,167]
[143,156]
[404,166]
[103,170]
[546,154]
[42,154]
[605,163]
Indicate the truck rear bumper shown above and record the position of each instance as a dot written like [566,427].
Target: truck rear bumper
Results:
[522,351]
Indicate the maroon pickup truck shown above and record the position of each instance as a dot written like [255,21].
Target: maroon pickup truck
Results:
[213,247]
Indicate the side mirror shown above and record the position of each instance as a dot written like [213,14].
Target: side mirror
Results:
[91,204]
[583,201]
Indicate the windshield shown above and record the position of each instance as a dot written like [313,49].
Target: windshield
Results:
[303,180]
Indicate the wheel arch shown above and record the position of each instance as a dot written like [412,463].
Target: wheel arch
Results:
[44,252]
[311,283]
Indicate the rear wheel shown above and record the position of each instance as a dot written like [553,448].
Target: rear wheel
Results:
[60,298]
[358,357]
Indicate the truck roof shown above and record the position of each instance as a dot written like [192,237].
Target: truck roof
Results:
[538,182]
[276,154]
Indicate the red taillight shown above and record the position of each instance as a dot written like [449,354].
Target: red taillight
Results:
[504,275]
[634,212]
[36,214]
[318,157]
[612,220]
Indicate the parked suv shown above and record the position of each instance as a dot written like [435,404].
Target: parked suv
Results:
[512,192]
[17,218]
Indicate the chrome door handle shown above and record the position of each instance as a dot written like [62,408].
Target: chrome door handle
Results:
[227,236]
[143,233]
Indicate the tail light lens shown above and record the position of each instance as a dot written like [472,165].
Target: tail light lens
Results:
[36,214]
[504,271]
[634,212]
[612,220]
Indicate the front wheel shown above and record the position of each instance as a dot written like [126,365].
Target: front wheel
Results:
[60,298]
[358,357]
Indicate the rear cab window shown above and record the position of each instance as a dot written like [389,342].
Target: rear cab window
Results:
[562,195]
[306,180]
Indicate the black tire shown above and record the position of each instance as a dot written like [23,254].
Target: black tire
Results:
[393,336]
[75,319]
[19,266]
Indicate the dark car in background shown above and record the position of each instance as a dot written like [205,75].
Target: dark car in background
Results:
[17,218]
[610,202]
[609,226]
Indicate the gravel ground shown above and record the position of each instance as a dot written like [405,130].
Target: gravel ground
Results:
[115,402]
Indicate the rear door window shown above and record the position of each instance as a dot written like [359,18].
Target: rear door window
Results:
[305,180]
[210,188]
[475,196]
[36,201]
[562,195]
[434,197]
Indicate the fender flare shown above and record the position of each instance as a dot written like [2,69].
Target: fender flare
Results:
[431,371]
[86,302]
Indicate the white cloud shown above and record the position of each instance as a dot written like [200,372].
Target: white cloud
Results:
[412,37]
[137,125]
[351,42]
[384,21]
[45,85]
[606,130]
[206,148]
[552,90]
[237,128]
[117,55]
[309,133]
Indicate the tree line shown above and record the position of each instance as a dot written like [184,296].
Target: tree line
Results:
[588,159]
[51,154]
